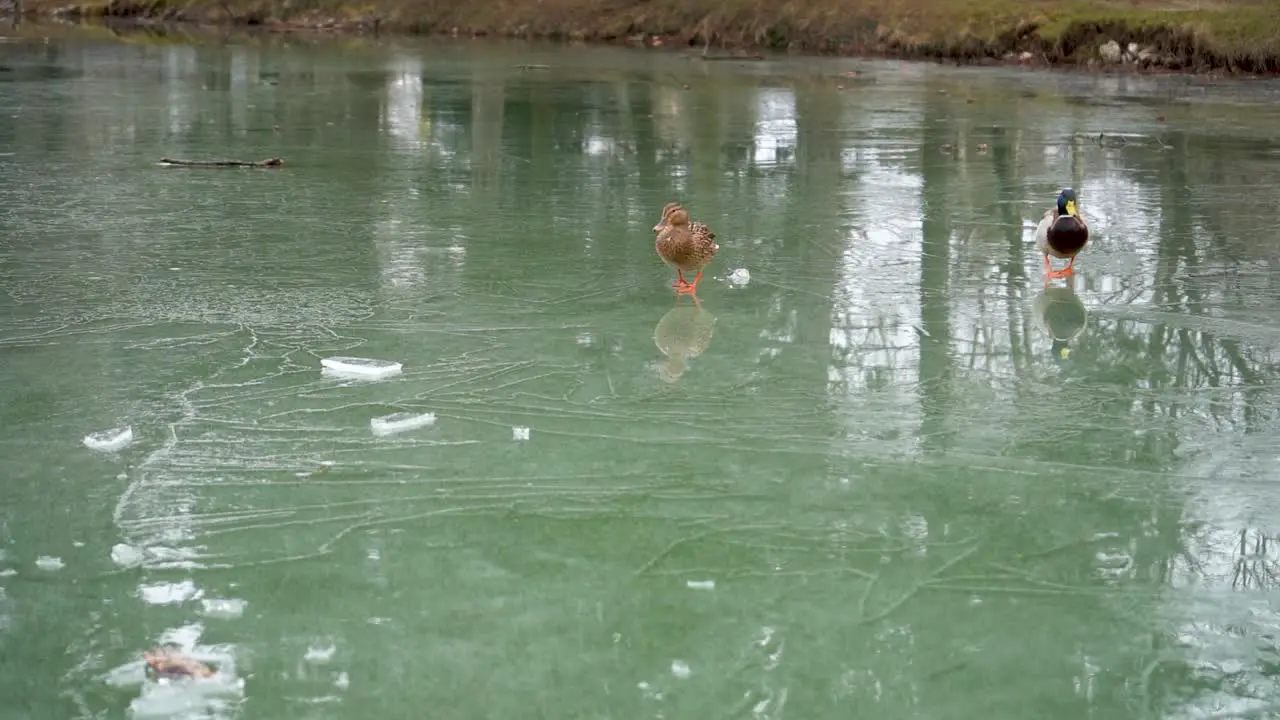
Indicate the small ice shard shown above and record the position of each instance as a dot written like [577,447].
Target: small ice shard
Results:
[680,669]
[519,432]
[50,563]
[319,654]
[400,422]
[343,681]
[109,440]
[700,584]
[126,555]
[355,367]
[169,593]
[740,277]
[8,572]
[224,609]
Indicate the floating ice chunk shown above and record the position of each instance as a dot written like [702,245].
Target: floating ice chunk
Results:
[700,584]
[50,563]
[400,422]
[740,277]
[169,593]
[680,669]
[319,654]
[224,609]
[355,367]
[109,440]
[8,572]
[519,432]
[343,681]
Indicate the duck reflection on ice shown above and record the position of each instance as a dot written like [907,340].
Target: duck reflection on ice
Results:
[683,333]
[1059,312]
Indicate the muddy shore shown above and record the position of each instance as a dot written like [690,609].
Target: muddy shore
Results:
[1205,38]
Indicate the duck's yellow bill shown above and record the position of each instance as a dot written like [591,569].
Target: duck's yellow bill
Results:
[1071,207]
[1064,353]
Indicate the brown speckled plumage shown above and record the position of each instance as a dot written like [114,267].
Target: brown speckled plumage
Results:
[686,246]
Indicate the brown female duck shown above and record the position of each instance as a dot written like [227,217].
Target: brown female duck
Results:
[686,246]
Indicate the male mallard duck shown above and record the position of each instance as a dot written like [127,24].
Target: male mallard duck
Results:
[167,662]
[686,246]
[1062,233]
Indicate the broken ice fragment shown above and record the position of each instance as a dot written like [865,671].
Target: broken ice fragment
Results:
[109,440]
[47,562]
[355,367]
[400,422]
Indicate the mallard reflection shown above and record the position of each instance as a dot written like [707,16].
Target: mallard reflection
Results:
[1061,314]
[683,333]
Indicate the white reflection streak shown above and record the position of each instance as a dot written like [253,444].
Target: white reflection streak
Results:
[400,266]
[875,304]
[668,108]
[404,101]
[239,89]
[397,240]
[179,62]
[776,127]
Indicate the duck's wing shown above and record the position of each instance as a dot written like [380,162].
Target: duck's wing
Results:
[1042,230]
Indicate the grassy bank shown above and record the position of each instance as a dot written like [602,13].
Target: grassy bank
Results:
[1210,35]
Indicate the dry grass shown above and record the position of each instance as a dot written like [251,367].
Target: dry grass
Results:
[1233,34]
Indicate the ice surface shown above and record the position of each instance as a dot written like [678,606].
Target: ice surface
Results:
[319,654]
[700,584]
[126,555]
[739,277]
[354,367]
[169,593]
[225,609]
[46,562]
[519,432]
[109,440]
[400,422]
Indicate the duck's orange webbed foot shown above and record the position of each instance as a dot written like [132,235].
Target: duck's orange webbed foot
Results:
[1064,272]
[690,288]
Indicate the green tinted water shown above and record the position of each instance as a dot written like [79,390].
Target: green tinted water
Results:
[859,483]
